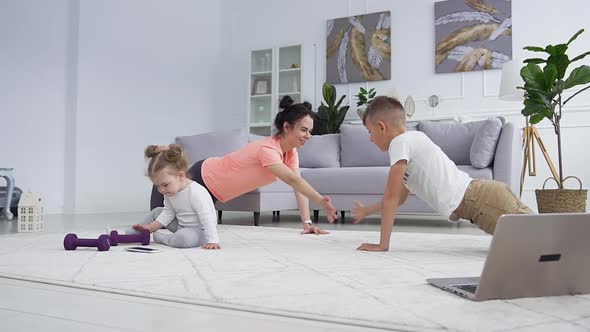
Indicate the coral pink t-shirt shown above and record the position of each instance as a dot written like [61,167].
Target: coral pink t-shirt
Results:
[245,170]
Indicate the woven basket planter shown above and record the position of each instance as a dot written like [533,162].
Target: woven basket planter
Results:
[561,200]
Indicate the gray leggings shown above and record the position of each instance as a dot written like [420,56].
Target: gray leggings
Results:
[182,237]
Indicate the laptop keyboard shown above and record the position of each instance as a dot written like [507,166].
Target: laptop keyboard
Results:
[467,288]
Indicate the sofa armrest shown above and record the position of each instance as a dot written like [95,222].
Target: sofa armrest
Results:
[508,158]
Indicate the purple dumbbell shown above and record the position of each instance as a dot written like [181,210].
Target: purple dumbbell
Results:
[71,242]
[143,237]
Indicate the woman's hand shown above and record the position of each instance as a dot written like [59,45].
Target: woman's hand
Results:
[208,246]
[331,212]
[310,229]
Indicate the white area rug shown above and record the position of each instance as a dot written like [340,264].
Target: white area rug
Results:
[276,270]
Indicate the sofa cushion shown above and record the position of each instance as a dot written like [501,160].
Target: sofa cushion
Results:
[454,138]
[483,148]
[356,148]
[347,180]
[478,173]
[217,144]
[320,151]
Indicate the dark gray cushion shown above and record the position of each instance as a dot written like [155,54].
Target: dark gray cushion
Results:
[356,149]
[217,144]
[320,151]
[483,148]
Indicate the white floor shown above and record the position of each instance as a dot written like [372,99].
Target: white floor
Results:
[26,306]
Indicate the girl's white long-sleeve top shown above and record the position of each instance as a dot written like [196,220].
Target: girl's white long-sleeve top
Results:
[193,207]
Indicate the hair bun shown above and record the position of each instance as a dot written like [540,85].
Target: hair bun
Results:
[173,153]
[308,105]
[286,101]
[151,151]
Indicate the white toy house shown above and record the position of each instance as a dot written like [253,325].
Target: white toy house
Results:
[30,213]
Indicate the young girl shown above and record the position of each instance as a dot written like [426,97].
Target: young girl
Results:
[188,210]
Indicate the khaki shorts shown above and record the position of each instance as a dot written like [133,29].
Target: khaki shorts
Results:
[486,200]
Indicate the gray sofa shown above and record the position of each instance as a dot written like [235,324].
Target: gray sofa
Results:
[348,167]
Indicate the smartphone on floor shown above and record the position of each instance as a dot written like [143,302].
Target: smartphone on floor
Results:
[147,250]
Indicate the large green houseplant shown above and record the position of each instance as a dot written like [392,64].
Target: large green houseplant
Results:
[329,117]
[544,94]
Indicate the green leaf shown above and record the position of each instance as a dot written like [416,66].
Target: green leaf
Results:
[575,36]
[372,90]
[339,102]
[536,98]
[560,49]
[561,61]
[372,95]
[551,50]
[363,91]
[536,118]
[535,60]
[529,74]
[340,117]
[532,108]
[329,93]
[580,75]
[534,48]
[550,73]
[581,56]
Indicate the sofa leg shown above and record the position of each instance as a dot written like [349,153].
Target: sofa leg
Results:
[256,218]
[316,216]
[219,214]
[276,216]
[342,215]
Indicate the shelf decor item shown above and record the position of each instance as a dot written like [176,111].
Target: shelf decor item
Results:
[261,86]
[30,213]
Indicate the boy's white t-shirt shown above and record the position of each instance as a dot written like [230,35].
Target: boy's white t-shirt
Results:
[193,207]
[430,174]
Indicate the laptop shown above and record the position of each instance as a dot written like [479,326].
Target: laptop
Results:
[531,255]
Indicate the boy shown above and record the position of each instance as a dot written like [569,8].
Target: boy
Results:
[420,166]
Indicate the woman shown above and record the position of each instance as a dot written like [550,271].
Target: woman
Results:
[261,162]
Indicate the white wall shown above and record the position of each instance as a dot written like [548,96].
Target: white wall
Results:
[32,95]
[96,81]
[473,94]
[146,73]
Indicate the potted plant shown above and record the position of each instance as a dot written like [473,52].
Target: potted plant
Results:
[329,117]
[364,97]
[544,99]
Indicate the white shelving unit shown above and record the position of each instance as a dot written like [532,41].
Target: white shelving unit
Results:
[274,73]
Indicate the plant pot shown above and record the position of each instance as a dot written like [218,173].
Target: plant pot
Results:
[360,111]
[561,200]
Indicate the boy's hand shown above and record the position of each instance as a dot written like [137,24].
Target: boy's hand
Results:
[360,212]
[331,212]
[371,247]
[309,229]
[208,246]
[141,227]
